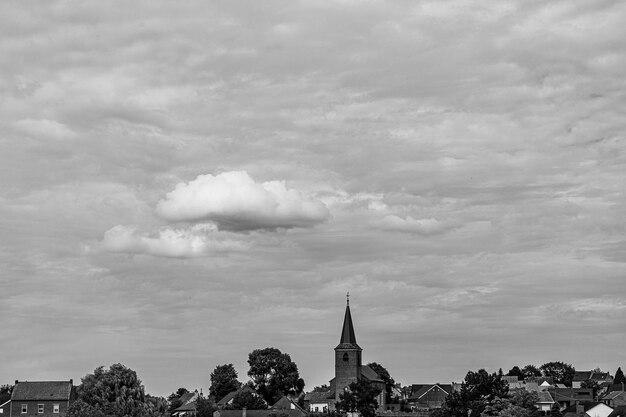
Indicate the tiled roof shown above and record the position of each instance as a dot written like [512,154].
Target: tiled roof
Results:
[370,374]
[613,395]
[190,406]
[286,403]
[232,394]
[580,376]
[42,390]
[419,390]
[187,397]
[317,397]
[545,397]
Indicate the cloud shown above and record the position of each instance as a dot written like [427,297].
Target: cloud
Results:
[234,201]
[44,128]
[200,240]
[408,224]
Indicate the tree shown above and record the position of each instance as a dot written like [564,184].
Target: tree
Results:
[384,375]
[248,400]
[116,391]
[174,399]
[223,381]
[5,393]
[516,371]
[555,411]
[593,384]
[479,390]
[619,377]
[274,374]
[204,407]
[530,371]
[561,373]
[79,408]
[321,388]
[359,397]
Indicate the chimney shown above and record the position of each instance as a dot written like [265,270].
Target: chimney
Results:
[71,382]
[16,381]
[243,412]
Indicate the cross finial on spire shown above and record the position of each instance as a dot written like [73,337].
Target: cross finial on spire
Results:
[348,298]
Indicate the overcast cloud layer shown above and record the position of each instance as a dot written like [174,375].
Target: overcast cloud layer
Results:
[184,182]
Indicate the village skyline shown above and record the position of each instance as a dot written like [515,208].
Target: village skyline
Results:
[184,182]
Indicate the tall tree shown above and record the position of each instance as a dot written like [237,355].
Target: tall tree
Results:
[274,374]
[562,373]
[384,375]
[530,371]
[223,381]
[321,388]
[359,397]
[619,377]
[116,391]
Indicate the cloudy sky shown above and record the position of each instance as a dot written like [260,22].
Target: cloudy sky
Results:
[184,182]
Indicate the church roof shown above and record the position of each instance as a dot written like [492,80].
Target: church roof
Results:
[348,337]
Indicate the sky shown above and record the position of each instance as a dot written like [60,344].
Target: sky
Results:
[184,182]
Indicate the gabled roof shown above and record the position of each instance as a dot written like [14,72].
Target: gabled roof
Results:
[580,376]
[419,390]
[187,397]
[318,397]
[228,397]
[42,390]
[286,403]
[545,397]
[369,374]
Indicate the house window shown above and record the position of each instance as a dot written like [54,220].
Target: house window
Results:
[39,408]
[55,408]
[24,408]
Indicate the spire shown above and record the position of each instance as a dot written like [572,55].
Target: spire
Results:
[347,334]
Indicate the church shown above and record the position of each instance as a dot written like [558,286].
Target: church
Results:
[348,369]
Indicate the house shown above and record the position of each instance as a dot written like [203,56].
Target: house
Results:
[348,369]
[40,398]
[189,405]
[227,400]
[316,401]
[614,398]
[570,396]
[588,409]
[286,403]
[545,402]
[428,396]
[580,377]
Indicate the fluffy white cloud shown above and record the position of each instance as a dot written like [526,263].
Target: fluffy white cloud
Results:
[200,240]
[235,201]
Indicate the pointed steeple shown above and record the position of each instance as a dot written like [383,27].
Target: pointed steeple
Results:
[348,337]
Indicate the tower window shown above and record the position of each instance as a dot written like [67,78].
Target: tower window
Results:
[346,358]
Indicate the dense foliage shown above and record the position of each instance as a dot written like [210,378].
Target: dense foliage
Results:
[223,381]
[561,372]
[359,397]
[386,377]
[274,374]
[116,391]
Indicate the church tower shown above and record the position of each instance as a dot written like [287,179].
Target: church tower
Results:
[347,355]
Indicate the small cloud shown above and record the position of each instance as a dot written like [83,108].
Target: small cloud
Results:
[234,201]
[200,240]
[44,128]
[411,225]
